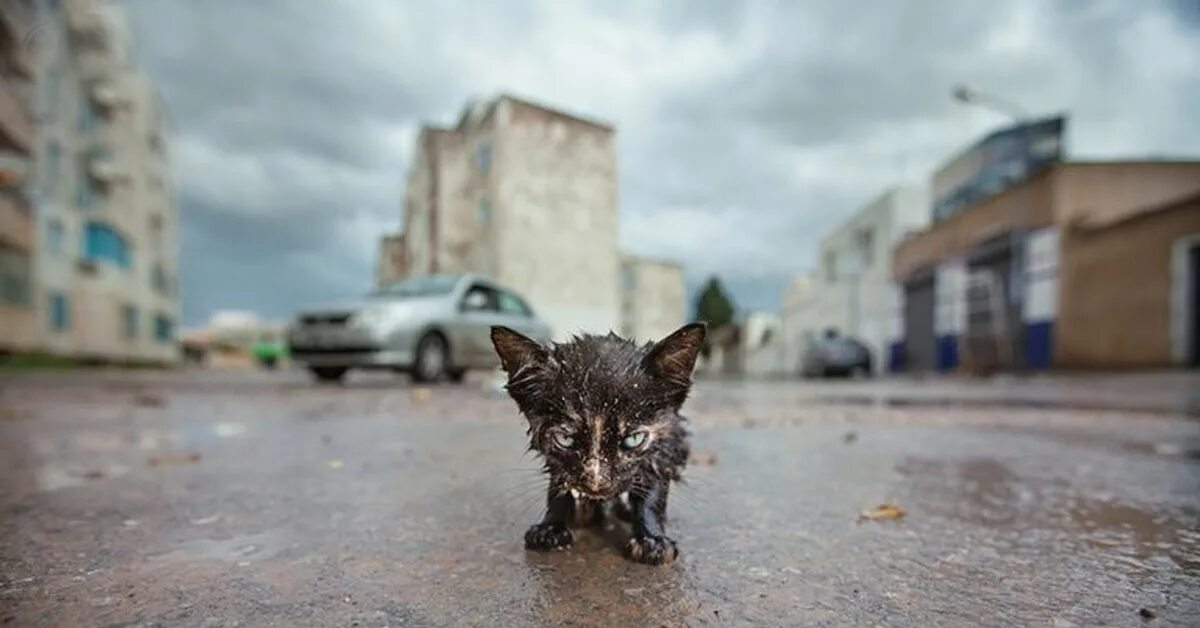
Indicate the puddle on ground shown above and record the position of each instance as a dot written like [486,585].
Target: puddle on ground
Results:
[1185,408]
[51,478]
[238,549]
[986,492]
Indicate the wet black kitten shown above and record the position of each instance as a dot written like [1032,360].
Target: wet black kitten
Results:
[604,415]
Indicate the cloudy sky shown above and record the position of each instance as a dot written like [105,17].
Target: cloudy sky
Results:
[745,130]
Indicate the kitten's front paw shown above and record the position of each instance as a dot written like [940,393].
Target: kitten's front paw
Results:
[548,536]
[652,550]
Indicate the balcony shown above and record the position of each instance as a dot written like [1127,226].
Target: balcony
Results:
[86,23]
[106,168]
[16,121]
[14,170]
[16,224]
[15,57]
[108,95]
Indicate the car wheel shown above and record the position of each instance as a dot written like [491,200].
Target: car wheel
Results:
[432,359]
[456,376]
[329,373]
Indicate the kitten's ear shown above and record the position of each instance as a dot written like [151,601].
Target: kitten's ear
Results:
[674,357]
[518,352]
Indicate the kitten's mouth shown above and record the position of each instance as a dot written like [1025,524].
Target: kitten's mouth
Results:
[581,493]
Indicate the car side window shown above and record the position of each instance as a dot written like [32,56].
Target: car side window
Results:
[480,298]
[512,304]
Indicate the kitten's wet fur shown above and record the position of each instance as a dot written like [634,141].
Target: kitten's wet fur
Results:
[604,416]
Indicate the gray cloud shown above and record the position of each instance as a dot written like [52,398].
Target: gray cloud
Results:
[745,130]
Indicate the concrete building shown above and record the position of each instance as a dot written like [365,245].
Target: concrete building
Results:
[653,298]
[390,266]
[1082,264]
[527,195]
[107,230]
[763,345]
[18,317]
[851,290]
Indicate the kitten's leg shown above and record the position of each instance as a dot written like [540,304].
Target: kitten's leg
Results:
[650,544]
[552,533]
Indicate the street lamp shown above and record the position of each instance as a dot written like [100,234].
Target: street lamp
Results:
[969,96]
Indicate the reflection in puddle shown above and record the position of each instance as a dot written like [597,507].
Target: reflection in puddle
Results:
[983,491]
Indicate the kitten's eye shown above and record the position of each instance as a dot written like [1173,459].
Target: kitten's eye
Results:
[563,439]
[634,440]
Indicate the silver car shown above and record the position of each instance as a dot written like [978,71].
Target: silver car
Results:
[434,327]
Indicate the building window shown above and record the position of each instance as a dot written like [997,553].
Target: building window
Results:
[159,280]
[103,243]
[53,165]
[866,247]
[129,321]
[483,156]
[85,190]
[15,277]
[156,233]
[54,236]
[163,328]
[484,212]
[60,312]
[89,118]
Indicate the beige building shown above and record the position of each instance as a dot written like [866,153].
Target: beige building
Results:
[653,298]
[526,195]
[1082,265]
[390,265]
[18,318]
[106,269]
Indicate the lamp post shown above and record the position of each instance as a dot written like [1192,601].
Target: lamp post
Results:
[969,96]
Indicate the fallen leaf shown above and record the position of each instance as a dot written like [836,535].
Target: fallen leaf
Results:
[421,395]
[703,458]
[178,457]
[336,464]
[882,512]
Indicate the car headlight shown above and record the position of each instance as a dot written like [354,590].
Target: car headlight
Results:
[371,317]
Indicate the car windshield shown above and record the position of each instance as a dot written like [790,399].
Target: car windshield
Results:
[432,285]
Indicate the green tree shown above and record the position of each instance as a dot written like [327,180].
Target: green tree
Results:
[713,306]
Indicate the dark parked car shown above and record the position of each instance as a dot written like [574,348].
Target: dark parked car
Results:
[836,356]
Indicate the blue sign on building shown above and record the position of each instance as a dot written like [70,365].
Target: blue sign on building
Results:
[995,163]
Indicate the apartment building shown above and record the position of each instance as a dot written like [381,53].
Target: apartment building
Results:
[107,229]
[525,194]
[18,319]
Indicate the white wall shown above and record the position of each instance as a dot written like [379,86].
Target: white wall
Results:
[855,294]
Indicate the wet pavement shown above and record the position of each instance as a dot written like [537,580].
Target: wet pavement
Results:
[222,499]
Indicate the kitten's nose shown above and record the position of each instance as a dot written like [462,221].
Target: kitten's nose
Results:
[596,482]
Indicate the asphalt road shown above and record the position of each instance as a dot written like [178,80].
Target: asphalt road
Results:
[201,498]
